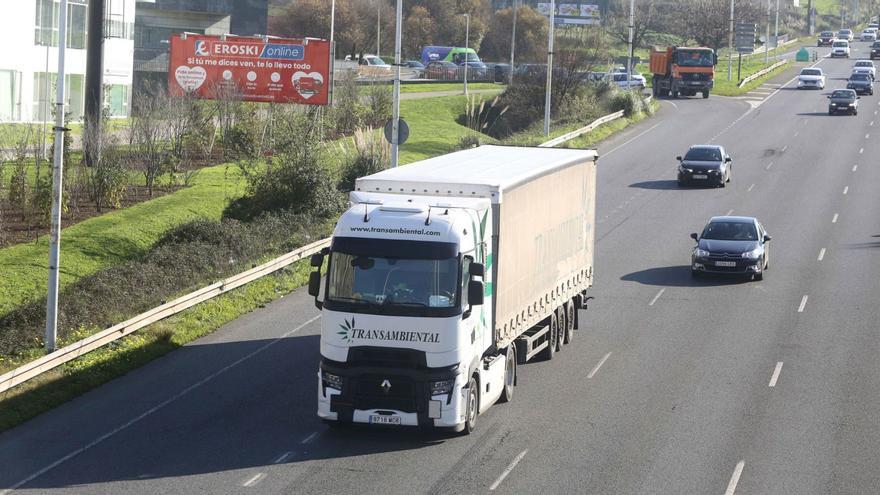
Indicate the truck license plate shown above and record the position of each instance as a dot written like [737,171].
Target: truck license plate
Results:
[700,176]
[725,263]
[380,419]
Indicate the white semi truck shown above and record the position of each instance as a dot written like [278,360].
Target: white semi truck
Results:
[445,274]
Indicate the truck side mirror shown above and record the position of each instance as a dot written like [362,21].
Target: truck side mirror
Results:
[317,260]
[477,270]
[314,284]
[475,293]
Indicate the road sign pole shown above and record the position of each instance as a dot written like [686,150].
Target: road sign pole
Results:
[739,68]
[395,107]
[730,45]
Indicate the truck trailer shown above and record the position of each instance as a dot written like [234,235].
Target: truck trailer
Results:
[444,275]
[683,71]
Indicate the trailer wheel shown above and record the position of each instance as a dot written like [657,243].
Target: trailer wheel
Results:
[561,326]
[550,351]
[569,321]
[473,406]
[509,374]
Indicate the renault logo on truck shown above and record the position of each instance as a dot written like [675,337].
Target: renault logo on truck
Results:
[386,386]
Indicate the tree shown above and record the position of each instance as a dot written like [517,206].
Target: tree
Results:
[645,20]
[149,136]
[419,30]
[708,21]
[531,36]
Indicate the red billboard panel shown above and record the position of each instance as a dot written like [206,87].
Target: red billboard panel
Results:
[275,70]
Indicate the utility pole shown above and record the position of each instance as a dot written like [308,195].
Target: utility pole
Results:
[378,27]
[810,27]
[94,65]
[333,45]
[629,61]
[467,35]
[730,45]
[57,175]
[767,37]
[549,68]
[776,35]
[513,42]
[395,107]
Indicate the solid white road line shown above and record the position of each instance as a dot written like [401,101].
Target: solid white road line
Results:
[776,374]
[155,408]
[601,362]
[657,296]
[845,189]
[750,188]
[507,471]
[803,304]
[834,219]
[309,438]
[634,138]
[731,487]
[254,480]
[283,457]
[821,254]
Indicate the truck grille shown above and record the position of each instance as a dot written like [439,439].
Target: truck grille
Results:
[368,393]
[690,76]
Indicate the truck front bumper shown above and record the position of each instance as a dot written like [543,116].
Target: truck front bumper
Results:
[405,401]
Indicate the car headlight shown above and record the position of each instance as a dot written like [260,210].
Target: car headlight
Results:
[331,380]
[684,169]
[852,104]
[442,387]
[753,254]
[700,253]
[833,104]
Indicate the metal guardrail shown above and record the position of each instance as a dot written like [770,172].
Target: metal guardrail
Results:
[761,73]
[68,353]
[37,367]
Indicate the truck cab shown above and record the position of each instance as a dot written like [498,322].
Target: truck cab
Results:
[683,71]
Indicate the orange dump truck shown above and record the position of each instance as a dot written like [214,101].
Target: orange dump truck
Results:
[683,71]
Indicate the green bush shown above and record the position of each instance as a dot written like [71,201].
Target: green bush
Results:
[369,155]
[629,101]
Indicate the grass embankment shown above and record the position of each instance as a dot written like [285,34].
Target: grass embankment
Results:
[13,133]
[434,131]
[450,86]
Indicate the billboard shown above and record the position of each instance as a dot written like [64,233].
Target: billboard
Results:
[573,13]
[275,70]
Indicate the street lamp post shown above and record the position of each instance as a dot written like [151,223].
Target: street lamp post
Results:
[395,106]
[629,60]
[467,35]
[513,42]
[767,36]
[378,26]
[776,33]
[549,69]
[730,45]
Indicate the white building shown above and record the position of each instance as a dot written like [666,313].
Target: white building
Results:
[29,58]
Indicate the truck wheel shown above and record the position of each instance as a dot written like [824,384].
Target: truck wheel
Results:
[473,406]
[705,94]
[675,93]
[561,325]
[550,351]
[569,321]
[509,374]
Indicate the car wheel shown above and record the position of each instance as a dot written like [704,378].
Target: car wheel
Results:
[759,276]
[855,112]
[830,112]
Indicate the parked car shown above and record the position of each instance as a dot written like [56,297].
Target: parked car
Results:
[869,35]
[475,70]
[861,83]
[441,70]
[840,48]
[637,81]
[705,164]
[498,72]
[843,101]
[826,38]
[731,245]
[875,50]
[845,34]
[416,66]
[865,67]
[811,77]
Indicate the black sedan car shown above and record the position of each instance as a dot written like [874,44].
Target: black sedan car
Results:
[875,50]
[731,245]
[705,164]
[843,101]
[861,83]
[415,66]
[825,38]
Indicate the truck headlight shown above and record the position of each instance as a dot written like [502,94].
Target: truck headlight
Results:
[442,387]
[331,380]
[753,254]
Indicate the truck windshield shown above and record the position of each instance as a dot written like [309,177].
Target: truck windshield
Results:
[695,58]
[364,282]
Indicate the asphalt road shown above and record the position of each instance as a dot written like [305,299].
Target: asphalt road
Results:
[673,386]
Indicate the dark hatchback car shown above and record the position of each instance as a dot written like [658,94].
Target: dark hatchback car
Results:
[875,50]
[843,101]
[861,83]
[705,164]
[731,245]
[825,38]
[416,66]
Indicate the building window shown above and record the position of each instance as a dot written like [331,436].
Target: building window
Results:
[115,25]
[47,19]
[10,93]
[44,96]
[117,100]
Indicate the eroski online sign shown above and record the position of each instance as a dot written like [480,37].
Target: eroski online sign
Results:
[278,70]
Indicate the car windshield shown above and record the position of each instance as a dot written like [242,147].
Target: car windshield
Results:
[825,34]
[864,63]
[842,93]
[381,285]
[811,72]
[860,77]
[695,58]
[703,155]
[375,61]
[839,44]
[730,231]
